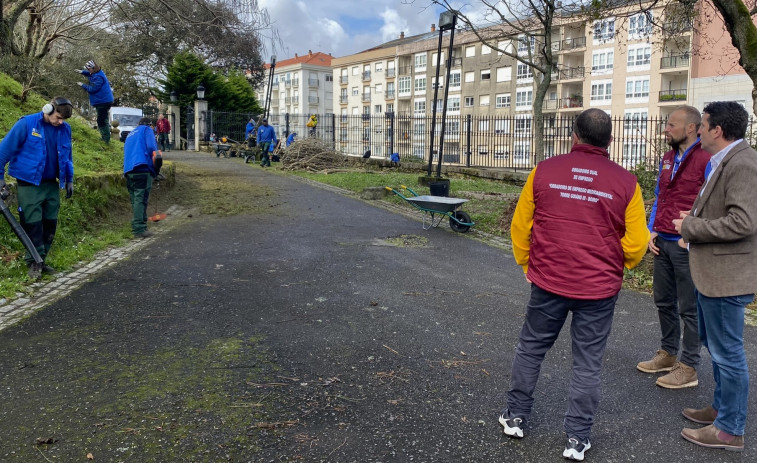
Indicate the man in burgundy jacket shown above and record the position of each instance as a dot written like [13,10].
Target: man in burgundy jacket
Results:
[680,178]
[164,128]
[580,219]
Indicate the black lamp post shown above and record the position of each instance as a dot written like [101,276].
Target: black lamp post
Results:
[447,21]
[174,98]
[200,92]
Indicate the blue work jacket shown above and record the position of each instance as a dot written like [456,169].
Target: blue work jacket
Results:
[266,134]
[99,88]
[138,149]
[24,149]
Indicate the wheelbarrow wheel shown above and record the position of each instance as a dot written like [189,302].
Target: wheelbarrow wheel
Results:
[247,158]
[456,225]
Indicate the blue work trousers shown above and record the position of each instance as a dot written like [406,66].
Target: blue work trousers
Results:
[589,329]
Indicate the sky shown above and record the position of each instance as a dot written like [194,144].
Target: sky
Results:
[344,27]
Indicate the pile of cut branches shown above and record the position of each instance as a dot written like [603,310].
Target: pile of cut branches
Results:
[313,155]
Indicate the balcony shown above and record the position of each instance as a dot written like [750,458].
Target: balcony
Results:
[406,70]
[456,62]
[574,43]
[288,100]
[572,73]
[366,117]
[343,80]
[367,75]
[550,105]
[389,95]
[287,83]
[675,61]
[389,73]
[571,102]
[673,95]
[366,97]
[313,82]
[313,100]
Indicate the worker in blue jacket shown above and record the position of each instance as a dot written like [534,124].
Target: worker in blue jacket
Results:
[249,133]
[37,150]
[266,136]
[100,96]
[290,138]
[140,153]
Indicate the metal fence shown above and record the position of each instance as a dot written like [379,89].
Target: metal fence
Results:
[471,141]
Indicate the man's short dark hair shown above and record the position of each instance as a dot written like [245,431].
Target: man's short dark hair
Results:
[730,116]
[144,121]
[594,127]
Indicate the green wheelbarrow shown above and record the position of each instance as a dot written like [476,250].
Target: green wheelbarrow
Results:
[436,208]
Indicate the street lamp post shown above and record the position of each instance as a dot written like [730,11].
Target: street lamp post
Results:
[201,108]
[173,109]
[447,21]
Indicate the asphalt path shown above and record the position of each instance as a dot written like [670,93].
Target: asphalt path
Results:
[381,342]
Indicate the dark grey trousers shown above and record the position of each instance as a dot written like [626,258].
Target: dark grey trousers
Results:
[590,326]
[676,301]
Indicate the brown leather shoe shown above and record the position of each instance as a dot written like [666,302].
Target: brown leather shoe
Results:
[680,377]
[704,415]
[662,361]
[708,437]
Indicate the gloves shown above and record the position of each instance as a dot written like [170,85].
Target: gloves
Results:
[78,71]
[69,189]
[3,190]
[83,85]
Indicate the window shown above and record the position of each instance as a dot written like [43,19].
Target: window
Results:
[635,120]
[420,61]
[601,61]
[483,100]
[601,91]
[604,30]
[637,87]
[433,82]
[504,45]
[483,150]
[420,84]
[525,43]
[379,88]
[501,126]
[640,25]
[389,106]
[524,72]
[502,101]
[378,109]
[634,153]
[524,99]
[504,74]
[403,84]
[522,152]
[355,70]
[452,128]
[468,101]
[419,127]
[485,49]
[434,57]
[470,51]
[379,66]
[355,91]
[329,78]
[470,76]
[454,80]
[486,74]
[419,106]
[453,103]
[483,125]
[639,55]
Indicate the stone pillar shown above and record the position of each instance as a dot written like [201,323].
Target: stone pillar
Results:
[174,117]
[201,113]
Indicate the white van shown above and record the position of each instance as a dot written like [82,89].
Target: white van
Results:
[128,119]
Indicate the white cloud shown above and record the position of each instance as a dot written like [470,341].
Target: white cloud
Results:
[342,27]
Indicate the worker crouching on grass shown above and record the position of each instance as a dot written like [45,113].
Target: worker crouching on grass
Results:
[141,163]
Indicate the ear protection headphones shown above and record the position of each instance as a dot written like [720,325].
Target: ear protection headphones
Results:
[50,107]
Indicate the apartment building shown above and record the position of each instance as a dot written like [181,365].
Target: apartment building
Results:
[621,64]
[301,85]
